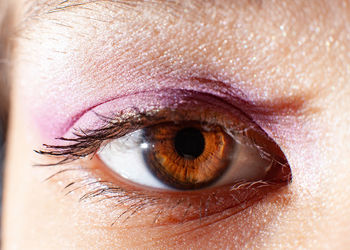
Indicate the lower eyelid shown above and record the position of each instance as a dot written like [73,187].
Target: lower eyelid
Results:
[125,202]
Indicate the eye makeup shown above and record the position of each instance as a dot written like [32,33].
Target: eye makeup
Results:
[120,117]
[152,102]
[55,119]
[146,108]
[107,89]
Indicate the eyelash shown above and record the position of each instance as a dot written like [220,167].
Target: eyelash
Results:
[86,143]
[243,194]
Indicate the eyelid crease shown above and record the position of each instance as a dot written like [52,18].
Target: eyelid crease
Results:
[287,105]
[140,101]
[261,112]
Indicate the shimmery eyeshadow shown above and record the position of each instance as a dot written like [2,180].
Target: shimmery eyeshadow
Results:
[55,116]
[151,102]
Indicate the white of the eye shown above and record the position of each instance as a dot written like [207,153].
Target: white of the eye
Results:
[124,156]
[247,165]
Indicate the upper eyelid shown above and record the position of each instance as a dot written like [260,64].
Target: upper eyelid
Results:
[86,135]
[258,112]
[285,106]
[141,102]
[86,142]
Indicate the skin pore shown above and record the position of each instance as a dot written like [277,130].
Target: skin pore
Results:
[285,64]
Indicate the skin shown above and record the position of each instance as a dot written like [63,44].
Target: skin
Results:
[290,58]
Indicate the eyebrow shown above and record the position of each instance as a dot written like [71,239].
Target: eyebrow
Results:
[66,4]
[38,8]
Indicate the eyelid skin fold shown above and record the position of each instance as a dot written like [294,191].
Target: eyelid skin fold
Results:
[152,107]
[51,127]
[151,102]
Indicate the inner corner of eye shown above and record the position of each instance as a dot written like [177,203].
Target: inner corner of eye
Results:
[187,156]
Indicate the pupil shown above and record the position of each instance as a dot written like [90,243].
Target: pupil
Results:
[189,143]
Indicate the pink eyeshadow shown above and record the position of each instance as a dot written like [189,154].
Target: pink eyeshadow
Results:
[56,114]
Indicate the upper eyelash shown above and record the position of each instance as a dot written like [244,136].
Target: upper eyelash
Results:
[88,142]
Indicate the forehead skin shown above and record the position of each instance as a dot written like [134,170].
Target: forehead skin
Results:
[283,55]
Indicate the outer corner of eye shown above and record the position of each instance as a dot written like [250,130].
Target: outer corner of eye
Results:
[186,156]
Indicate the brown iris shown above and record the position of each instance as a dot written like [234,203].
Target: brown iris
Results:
[188,156]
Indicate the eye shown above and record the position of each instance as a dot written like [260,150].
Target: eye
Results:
[185,155]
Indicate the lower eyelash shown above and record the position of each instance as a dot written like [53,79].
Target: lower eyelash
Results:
[193,207]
